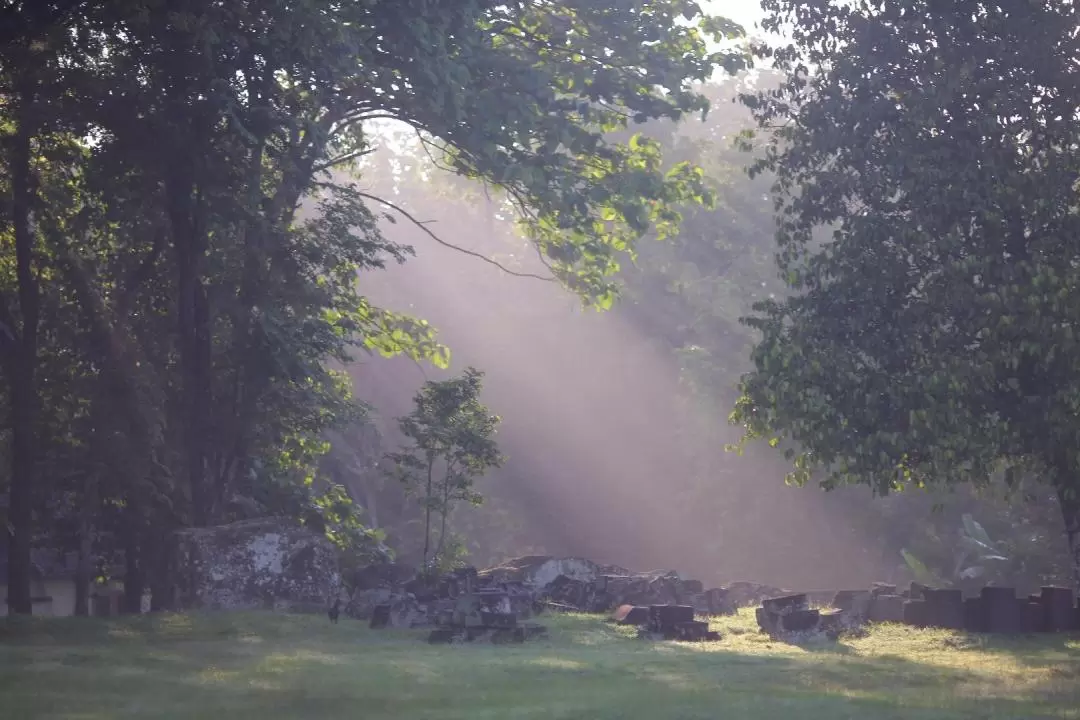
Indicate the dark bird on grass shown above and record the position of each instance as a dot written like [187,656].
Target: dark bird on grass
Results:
[334,610]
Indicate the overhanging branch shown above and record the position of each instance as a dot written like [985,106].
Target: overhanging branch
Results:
[420,224]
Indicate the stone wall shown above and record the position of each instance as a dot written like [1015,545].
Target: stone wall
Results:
[267,563]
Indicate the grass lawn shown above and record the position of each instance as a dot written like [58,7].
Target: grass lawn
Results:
[264,666]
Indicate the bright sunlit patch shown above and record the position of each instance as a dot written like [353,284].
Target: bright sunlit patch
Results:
[558,663]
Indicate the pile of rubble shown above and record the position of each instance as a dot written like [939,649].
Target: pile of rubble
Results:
[391,595]
[665,622]
[994,610]
[790,618]
[536,582]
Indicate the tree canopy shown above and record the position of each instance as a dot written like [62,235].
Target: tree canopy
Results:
[183,246]
[927,158]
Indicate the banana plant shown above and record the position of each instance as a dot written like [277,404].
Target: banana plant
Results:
[975,555]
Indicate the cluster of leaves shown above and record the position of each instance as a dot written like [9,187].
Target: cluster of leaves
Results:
[180,257]
[449,445]
[927,339]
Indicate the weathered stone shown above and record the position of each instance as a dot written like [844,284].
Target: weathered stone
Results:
[631,615]
[944,608]
[743,594]
[379,575]
[887,608]
[401,611]
[915,613]
[263,563]
[1058,605]
[380,617]
[800,620]
[974,619]
[785,603]
[568,591]
[691,631]
[539,571]
[1001,611]
[856,602]
[664,618]
[917,590]
[1031,616]
[882,589]
[692,587]
[441,636]
[362,604]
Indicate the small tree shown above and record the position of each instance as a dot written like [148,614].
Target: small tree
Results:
[449,445]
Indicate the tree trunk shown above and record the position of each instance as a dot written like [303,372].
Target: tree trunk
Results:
[1069,498]
[194,339]
[159,572]
[83,570]
[21,365]
[427,513]
[134,581]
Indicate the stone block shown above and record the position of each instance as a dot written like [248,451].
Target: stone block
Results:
[887,608]
[915,613]
[882,589]
[785,603]
[1002,613]
[691,631]
[631,615]
[380,617]
[944,608]
[265,563]
[800,620]
[1059,609]
[856,602]
[1031,616]
[974,618]
[664,618]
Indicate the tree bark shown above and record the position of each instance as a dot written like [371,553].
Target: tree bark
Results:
[194,340]
[1069,498]
[134,581]
[83,571]
[20,365]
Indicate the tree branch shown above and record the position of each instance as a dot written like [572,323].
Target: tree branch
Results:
[408,216]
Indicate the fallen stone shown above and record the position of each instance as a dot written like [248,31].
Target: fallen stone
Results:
[691,631]
[664,619]
[631,615]
[856,602]
[539,571]
[800,620]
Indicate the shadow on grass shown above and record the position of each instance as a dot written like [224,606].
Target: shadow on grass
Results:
[265,666]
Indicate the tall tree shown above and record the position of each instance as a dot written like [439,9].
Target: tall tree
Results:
[931,337]
[212,252]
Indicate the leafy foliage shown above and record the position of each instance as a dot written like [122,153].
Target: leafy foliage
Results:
[927,337]
[451,444]
[184,240]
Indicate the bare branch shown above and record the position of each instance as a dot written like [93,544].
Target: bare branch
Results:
[408,216]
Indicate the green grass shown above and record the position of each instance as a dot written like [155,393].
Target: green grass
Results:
[265,667]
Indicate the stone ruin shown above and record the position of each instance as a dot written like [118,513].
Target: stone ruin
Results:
[995,610]
[665,622]
[266,563]
[496,603]
[475,612]
[531,584]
